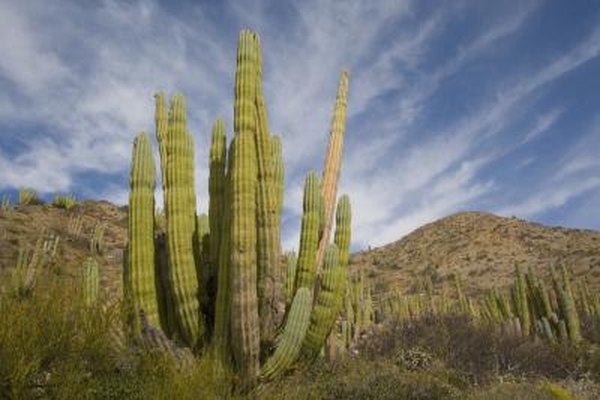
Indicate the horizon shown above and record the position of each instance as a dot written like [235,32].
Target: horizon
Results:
[489,107]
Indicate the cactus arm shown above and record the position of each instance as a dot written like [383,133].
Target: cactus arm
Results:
[333,162]
[290,343]
[305,274]
[325,309]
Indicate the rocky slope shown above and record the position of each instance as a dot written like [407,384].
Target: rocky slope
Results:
[483,248]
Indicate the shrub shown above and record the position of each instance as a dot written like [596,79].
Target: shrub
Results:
[363,379]
[477,352]
[67,201]
[54,346]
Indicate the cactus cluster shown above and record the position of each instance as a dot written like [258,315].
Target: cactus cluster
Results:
[531,308]
[30,259]
[215,283]
[5,203]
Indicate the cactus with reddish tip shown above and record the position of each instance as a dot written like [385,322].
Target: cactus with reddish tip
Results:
[237,247]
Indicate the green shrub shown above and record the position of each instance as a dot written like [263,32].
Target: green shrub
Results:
[67,201]
[362,379]
[54,346]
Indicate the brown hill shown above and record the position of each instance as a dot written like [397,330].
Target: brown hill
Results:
[22,226]
[483,248]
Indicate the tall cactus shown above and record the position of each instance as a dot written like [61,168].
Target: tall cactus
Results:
[244,304]
[333,162]
[180,210]
[216,205]
[142,182]
[267,223]
[91,281]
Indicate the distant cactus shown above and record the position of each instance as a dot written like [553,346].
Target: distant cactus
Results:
[97,239]
[91,281]
[5,204]
[27,196]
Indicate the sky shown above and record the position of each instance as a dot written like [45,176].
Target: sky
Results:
[453,105]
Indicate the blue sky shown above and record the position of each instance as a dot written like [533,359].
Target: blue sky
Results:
[453,106]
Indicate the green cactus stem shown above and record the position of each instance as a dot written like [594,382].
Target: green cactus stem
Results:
[290,343]
[180,211]
[325,309]
[333,162]
[305,274]
[142,181]
[267,223]
[91,281]
[216,207]
[245,329]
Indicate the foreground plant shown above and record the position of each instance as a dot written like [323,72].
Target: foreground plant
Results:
[214,283]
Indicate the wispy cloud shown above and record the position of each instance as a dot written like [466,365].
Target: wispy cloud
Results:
[435,102]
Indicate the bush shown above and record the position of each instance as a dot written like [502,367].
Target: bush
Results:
[54,346]
[67,202]
[362,379]
[477,352]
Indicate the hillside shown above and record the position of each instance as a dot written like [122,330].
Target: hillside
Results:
[22,226]
[484,249]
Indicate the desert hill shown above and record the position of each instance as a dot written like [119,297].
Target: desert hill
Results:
[483,248]
[22,226]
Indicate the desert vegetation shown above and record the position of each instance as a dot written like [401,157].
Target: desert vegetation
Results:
[209,307]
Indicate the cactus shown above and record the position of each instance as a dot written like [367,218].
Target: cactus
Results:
[97,238]
[290,276]
[326,307]
[203,270]
[5,204]
[305,272]
[267,222]
[91,281]
[180,210]
[216,189]
[75,225]
[290,344]
[333,162]
[142,181]
[236,248]
[521,301]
